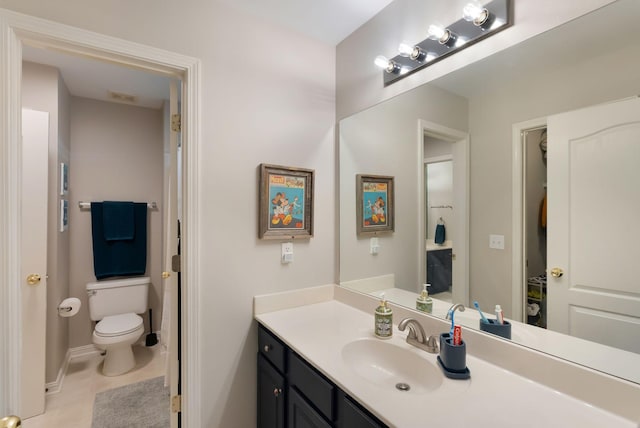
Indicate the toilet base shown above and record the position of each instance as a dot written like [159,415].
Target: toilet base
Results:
[119,360]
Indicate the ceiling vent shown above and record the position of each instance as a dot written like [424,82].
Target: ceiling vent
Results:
[123,98]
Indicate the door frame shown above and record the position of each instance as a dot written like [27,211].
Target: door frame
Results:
[518,194]
[460,202]
[16,29]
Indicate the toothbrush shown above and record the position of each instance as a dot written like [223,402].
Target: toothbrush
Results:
[452,313]
[475,303]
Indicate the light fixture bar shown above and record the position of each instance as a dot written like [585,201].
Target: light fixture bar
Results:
[486,20]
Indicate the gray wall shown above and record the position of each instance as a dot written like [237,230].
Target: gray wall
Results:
[116,155]
[359,81]
[275,105]
[384,140]
[492,112]
[43,89]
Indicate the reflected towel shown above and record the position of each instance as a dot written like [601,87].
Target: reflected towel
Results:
[118,221]
[119,258]
[440,234]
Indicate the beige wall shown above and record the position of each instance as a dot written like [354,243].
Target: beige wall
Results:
[116,155]
[384,140]
[43,89]
[273,103]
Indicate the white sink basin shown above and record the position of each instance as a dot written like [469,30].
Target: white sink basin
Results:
[387,364]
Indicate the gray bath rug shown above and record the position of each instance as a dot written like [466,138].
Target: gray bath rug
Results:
[140,405]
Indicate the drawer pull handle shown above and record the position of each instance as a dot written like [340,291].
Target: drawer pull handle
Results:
[277,392]
[267,348]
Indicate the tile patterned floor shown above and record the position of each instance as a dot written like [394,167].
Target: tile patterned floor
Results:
[73,405]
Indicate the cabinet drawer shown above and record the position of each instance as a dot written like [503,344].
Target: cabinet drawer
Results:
[312,385]
[272,348]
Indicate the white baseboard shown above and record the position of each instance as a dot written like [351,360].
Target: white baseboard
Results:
[81,351]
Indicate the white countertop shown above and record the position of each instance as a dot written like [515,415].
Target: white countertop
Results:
[493,397]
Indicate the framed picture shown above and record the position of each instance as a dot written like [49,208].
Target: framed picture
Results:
[285,202]
[64,179]
[374,204]
[64,215]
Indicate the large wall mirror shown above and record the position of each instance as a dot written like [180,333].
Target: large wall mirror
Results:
[490,152]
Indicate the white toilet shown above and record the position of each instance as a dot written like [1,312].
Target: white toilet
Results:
[115,304]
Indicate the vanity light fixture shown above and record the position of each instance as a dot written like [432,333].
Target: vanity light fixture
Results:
[477,23]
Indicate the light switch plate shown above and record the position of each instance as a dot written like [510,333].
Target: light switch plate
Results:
[374,246]
[496,242]
[287,253]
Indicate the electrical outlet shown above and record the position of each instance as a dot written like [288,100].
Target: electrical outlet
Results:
[496,242]
[287,253]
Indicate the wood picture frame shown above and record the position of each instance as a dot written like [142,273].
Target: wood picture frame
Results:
[285,208]
[375,205]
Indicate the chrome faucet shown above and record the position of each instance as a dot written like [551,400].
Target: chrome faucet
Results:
[417,337]
[453,308]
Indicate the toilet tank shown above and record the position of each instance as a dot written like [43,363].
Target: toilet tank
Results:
[118,296]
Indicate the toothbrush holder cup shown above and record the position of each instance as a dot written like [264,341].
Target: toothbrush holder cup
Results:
[453,357]
[493,327]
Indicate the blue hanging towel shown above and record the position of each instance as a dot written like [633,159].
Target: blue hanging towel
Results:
[118,221]
[119,257]
[440,233]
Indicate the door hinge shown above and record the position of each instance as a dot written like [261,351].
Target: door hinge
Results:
[176,403]
[175,263]
[176,122]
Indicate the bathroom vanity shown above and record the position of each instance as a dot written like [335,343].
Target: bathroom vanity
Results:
[292,393]
[320,365]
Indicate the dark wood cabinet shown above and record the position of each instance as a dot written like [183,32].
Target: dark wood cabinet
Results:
[293,394]
[271,395]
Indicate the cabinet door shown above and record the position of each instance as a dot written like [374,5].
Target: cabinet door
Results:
[271,398]
[351,415]
[302,415]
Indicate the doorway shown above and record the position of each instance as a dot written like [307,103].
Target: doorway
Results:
[443,154]
[20,29]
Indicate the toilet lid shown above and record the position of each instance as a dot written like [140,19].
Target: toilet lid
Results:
[117,325]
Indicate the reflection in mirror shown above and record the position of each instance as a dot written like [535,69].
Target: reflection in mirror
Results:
[527,87]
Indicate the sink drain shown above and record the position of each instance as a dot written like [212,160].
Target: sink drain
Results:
[403,386]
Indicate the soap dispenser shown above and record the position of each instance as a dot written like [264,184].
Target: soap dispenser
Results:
[383,320]
[424,303]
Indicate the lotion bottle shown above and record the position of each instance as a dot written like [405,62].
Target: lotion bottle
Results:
[424,303]
[383,320]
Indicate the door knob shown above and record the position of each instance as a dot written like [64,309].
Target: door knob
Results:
[166,275]
[33,279]
[556,272]
[10,422]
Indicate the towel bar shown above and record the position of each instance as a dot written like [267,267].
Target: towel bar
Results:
[87,205]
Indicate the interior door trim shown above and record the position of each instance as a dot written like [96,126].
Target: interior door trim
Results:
[16,29]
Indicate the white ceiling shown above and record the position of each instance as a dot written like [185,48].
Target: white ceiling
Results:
[329,21]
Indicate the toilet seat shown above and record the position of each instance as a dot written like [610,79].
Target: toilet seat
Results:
[118,325]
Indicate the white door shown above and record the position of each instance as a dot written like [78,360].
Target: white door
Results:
[35,149]
[171,248]
[594,223]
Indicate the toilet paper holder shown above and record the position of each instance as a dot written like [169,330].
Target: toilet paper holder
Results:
[69,307]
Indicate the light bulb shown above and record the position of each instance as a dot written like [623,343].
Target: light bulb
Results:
[475,12]
[405,49]
[381,61]
[435,32]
